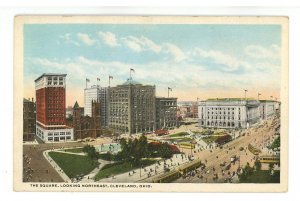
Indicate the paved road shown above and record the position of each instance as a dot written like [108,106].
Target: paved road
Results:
[36,167]
[259,137]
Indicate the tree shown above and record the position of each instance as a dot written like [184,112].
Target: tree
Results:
[164,150]
[91,152]
[247,171]
[257,165]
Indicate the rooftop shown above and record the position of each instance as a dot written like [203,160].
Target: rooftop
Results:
[131,82]
[76,105]
[26,100]
[229,99]
[49,74]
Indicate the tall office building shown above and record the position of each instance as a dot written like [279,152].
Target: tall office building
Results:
[166,110]
[132,107]
[51,108]
[97,93]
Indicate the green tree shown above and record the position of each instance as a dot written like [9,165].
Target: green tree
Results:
[247,171]
[91,152]
[257,165]
[164,151]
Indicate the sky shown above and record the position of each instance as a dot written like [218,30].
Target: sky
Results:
[196,61]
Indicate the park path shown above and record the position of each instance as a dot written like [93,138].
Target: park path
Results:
[56,167]
[90,177]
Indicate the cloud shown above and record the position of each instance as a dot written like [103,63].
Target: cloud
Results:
[68,40]
[85,38]
[229,62]
[260,52]
[133,43]
[175,51]
[139,44]
[195,77]
[109,38]
[150,44]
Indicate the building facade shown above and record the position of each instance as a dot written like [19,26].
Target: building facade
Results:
[132,108]
[28,120]
[51,108]
[187,109]
[166,109]
[268,108]
[228,113]
[86,126]
[97,93]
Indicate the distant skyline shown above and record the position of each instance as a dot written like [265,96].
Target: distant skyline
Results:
[196,61]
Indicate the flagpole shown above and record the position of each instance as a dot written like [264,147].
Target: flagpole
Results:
[86,83]
[130,74]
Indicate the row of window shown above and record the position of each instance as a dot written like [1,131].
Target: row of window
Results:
[220,108]
[56,139]
[59,133]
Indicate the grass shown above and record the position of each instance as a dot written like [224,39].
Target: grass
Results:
[119,168]
[74,150]
[181,134]
[210,139]
[73,165]
[262,176]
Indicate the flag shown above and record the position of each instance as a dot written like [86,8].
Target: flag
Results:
[169,88]
[259,94]
[110,77]
[87,80]
[98,79]
[131,69]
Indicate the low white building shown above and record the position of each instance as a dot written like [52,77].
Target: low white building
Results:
[55,135]
[228,113]
[234,112]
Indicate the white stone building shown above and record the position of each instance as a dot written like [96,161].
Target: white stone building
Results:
[234,112]
[100,94]
[228,113]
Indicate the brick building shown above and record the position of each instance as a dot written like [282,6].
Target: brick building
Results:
[87,126]
[51,108]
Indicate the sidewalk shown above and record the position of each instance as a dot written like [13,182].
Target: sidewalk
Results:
[146,173]
[55,166]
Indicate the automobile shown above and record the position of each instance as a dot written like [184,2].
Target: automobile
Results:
[241,148]
[223,164]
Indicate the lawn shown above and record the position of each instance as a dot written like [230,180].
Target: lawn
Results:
[210,139]
[74,150]
[73,165]
[119,168]
[262,176]
[181,134]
